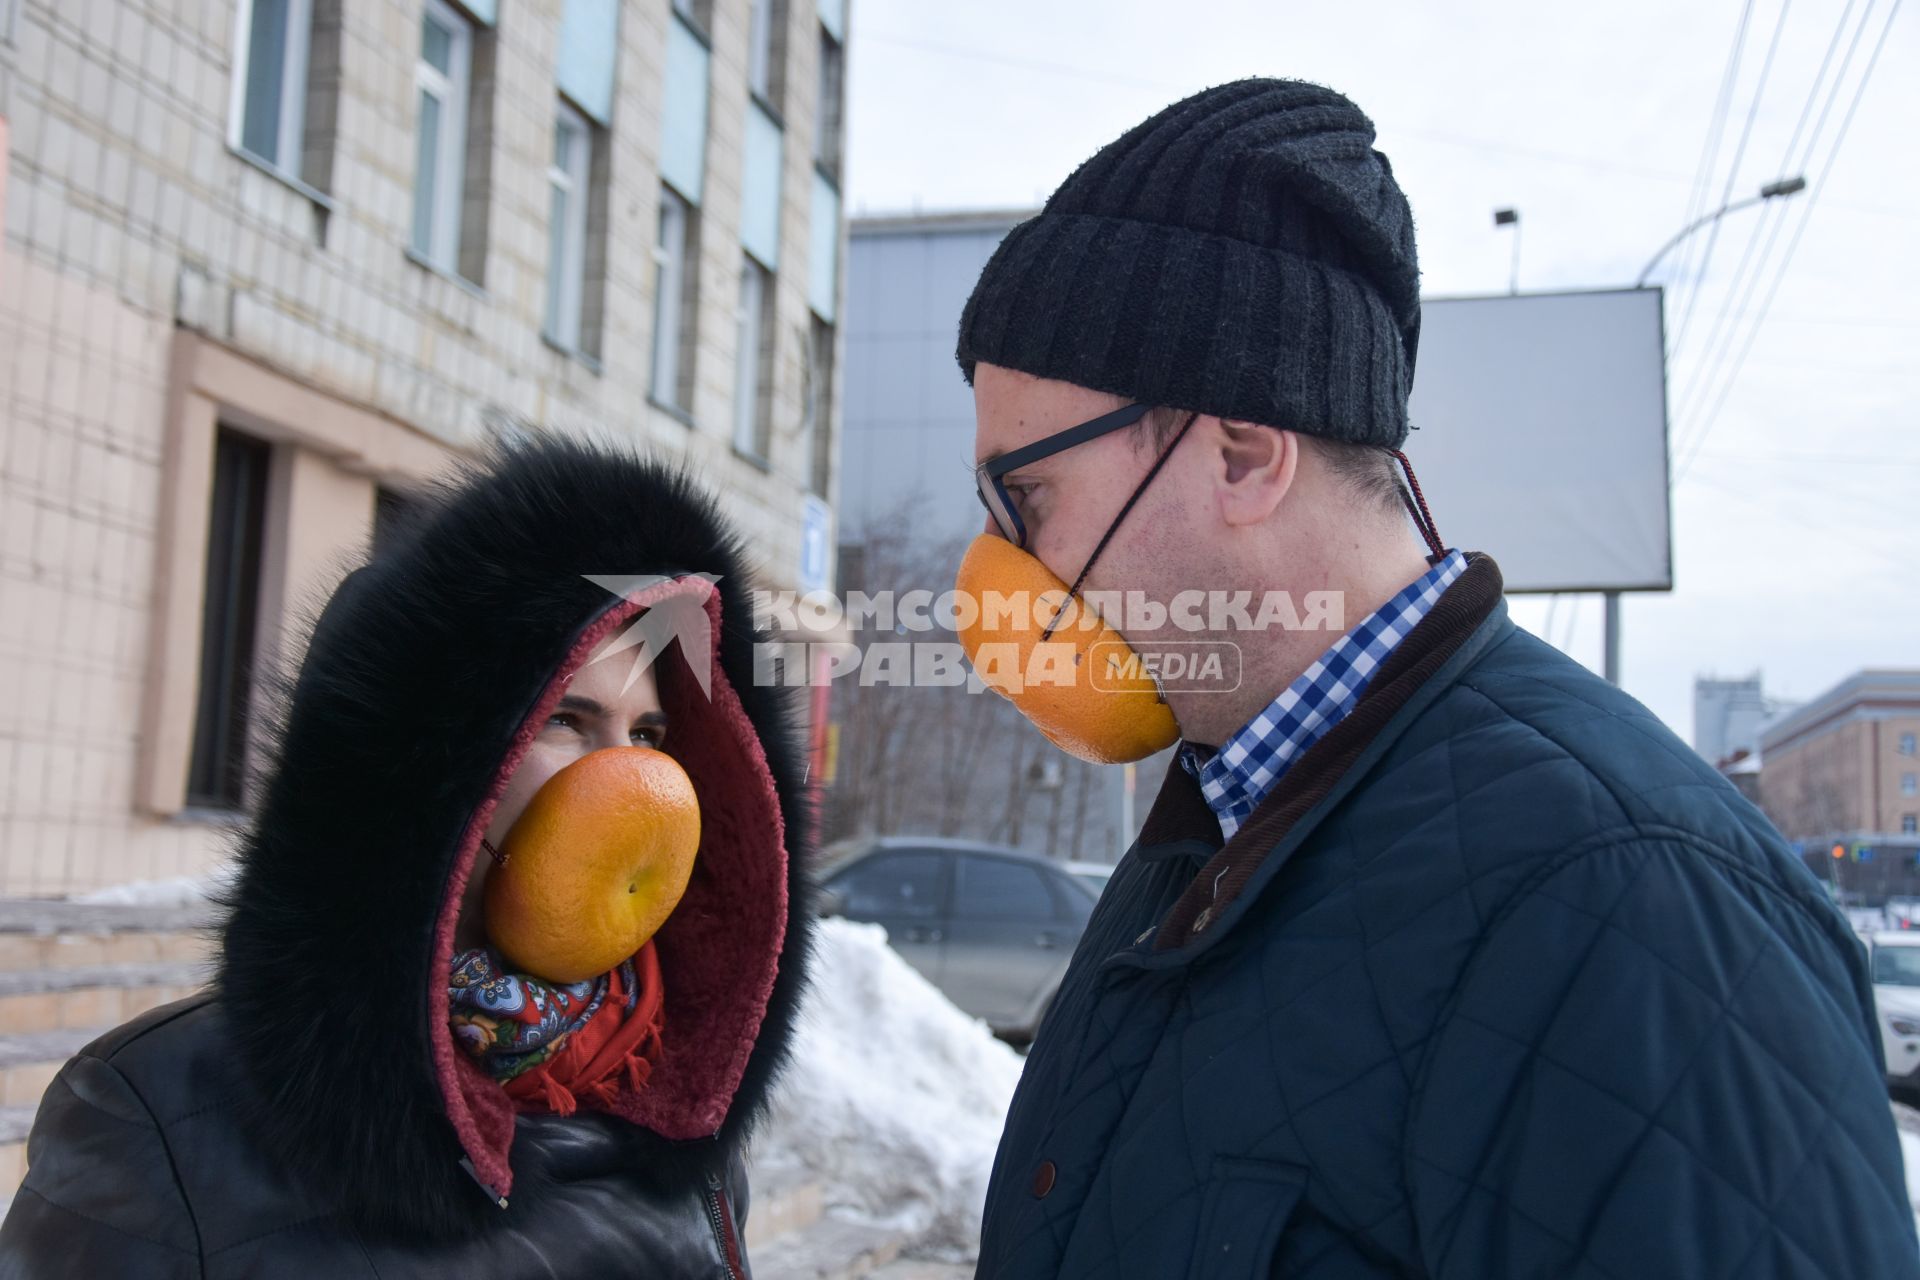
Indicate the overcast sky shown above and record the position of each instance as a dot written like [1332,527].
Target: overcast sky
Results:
[1796,530]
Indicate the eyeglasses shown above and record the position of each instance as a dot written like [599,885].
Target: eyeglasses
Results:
[990,475]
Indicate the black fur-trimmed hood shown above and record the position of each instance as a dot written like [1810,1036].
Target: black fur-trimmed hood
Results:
[425,678]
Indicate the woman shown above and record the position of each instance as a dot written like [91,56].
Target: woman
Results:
[337,1104]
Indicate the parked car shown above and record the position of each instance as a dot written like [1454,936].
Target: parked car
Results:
[1094,874]
[1896,995]
[991,927]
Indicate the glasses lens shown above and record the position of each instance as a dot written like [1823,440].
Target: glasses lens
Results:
[993,499]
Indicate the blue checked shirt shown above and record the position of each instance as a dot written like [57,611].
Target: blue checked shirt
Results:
[1239,775]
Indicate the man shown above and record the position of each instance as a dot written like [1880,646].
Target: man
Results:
[1436,955]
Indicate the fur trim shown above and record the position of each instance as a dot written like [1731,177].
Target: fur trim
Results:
[424,679]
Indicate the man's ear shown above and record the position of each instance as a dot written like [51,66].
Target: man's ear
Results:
[1255,469]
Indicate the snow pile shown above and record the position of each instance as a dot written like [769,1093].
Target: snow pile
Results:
[894,1098]
[179,891]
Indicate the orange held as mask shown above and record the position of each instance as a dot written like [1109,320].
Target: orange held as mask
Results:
[594,865]
[1033,641]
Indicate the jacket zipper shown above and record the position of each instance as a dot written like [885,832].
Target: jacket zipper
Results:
[721,1219]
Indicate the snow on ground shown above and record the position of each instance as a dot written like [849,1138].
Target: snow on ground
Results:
[180,891]
[894,1098]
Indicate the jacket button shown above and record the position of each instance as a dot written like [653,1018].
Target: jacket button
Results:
[1043,1179]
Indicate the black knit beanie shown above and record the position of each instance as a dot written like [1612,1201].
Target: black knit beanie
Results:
[1244,253]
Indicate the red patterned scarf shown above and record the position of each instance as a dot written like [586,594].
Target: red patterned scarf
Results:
[552,1046]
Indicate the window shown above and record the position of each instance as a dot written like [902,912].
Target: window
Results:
[1908,785]
[750,398]
[673,302]
[892,884]
[394,514]
[820,404]
[827,127]
[567,181]
[230,617]
[1000,889]
[270,81]
[442,78]
[1906,744]
[761,52]
[1076,896]
[1896,966]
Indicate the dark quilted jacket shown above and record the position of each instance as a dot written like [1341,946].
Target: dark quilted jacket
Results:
[1501,981]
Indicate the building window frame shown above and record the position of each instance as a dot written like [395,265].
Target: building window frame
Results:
[821,340]
[753,360]
[290,93]
[675,272]
[217,772]
[569,182]
[763,49]
[434,235]
[828,116]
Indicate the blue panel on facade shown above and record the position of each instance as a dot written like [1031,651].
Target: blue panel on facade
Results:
[823,248]
[589,45]
[833,16]
[760,188]
[683,148]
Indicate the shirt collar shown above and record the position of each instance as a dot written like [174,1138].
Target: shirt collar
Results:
[1237,777]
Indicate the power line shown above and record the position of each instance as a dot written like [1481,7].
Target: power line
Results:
[1710,148]
[1733,173]
[1490,146]
[1813,199]
[1720,340]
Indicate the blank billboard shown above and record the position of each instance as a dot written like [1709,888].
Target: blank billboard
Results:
[1542,436]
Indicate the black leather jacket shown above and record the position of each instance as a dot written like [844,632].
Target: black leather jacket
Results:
[141,1170]
[313,1115]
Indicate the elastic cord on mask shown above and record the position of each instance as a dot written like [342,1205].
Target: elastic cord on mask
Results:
[1074,590]
[1417,508]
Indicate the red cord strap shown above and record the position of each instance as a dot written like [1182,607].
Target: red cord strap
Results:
[1417,507]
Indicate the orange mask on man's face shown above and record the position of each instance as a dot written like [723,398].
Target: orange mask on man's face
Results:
[1034,640]
[1037,644]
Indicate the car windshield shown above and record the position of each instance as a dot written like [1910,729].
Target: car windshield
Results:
[1897,966]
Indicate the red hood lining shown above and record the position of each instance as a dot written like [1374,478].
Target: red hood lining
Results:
[719,950]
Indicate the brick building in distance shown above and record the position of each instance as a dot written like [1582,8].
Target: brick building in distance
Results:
[1840,775]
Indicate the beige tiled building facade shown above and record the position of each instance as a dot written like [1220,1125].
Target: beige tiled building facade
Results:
[270,264]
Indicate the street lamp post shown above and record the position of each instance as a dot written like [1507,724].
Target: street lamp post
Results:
[1511,218]
[1773,190]
[1610,662]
